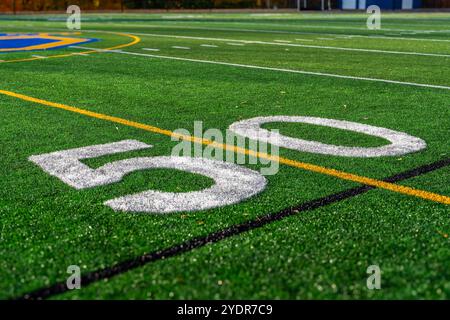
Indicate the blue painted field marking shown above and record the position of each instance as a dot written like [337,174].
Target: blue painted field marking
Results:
[39,41]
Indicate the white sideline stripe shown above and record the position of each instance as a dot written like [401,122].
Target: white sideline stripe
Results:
[282,25]
[95,49]
[182,48]
[283,32]
[313,26]
[209,46]
[319,26]
[150,49]
[280,69]
[296,45]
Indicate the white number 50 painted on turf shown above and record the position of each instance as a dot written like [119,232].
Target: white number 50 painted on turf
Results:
[233,183]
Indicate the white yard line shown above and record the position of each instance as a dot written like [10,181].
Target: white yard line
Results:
[40,57]
[322,74]
[325,39]
[209,46]
[304,40]
[282,41]
[234,44]
[283,32]
[150,49]
[296,45]
[182,48]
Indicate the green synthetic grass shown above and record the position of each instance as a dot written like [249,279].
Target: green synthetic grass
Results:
[46,225]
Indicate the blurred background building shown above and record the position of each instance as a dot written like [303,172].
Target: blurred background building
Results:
[9,6]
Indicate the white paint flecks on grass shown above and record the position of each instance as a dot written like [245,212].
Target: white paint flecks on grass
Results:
[401,143]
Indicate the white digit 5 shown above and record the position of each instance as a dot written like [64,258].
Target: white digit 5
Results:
[232,182]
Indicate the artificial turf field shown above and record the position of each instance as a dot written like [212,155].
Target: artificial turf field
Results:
[307,235]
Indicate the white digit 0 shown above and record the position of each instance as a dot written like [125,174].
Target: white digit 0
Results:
[401,143]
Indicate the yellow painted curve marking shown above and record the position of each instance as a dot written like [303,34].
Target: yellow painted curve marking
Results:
[293,163]
[132,43]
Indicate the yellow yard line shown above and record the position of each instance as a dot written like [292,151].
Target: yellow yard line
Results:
[135,41]
[293,163]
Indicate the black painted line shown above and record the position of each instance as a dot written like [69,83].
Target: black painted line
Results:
[198,242]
